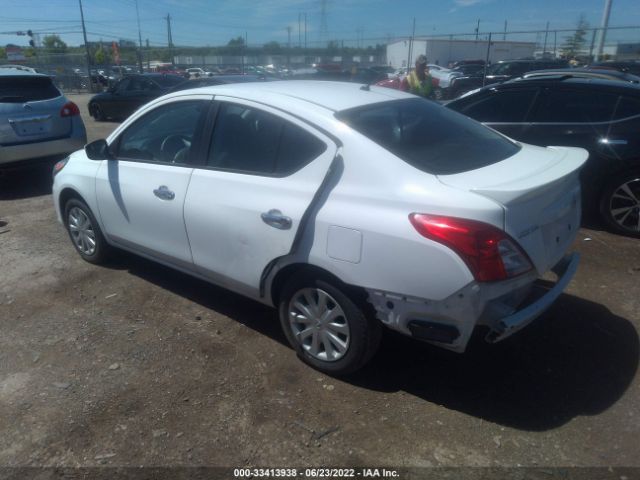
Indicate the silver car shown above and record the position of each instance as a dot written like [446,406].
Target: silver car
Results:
[36,119]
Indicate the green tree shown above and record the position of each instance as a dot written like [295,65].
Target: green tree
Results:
[101,57]
[272,47]
[236,42]
[575,44]
[3,53]
[54,44]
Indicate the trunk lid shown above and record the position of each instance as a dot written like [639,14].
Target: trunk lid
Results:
[30,110]
[539,191]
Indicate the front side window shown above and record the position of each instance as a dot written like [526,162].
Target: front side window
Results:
[575,106]
[430,137]
[250,140]
[500,106]
[165,134]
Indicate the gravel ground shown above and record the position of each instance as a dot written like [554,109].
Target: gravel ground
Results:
[135,364]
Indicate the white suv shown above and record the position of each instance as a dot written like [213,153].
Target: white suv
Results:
[346,207]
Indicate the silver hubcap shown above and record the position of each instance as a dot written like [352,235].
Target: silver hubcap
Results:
[81,231]
[624,205]
[319,324]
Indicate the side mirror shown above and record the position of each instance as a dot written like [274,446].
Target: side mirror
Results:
[98,150]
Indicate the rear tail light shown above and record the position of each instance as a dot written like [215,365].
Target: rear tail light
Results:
[59,166]
[489,252]
[69,109]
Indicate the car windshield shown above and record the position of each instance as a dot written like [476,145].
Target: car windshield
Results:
[429,136]
[20,89]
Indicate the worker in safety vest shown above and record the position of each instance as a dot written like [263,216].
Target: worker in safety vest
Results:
[419,82]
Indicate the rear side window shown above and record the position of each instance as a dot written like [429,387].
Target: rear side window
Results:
[21,89]
[575,106]
[501,106]
[430,137]
[253,141]
[627,107]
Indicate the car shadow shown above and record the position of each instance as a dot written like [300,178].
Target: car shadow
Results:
[26,181]
[577,359]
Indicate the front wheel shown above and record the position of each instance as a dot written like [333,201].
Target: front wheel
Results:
[84,232]
[329,330]
[620,204]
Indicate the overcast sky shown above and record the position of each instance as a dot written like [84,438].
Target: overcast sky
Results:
[214,22]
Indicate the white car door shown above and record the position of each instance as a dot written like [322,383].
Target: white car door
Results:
[140,193]
[244,206]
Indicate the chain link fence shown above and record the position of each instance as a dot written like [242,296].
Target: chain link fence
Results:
[71,74]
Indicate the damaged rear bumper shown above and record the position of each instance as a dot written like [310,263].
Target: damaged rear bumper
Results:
[565,270]
[504,307]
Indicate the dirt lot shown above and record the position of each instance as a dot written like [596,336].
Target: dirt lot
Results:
[135,364]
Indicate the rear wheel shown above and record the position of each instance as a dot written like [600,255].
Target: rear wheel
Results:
[328,329]
[84,232]
[438,94]
[97,113]
[620,204]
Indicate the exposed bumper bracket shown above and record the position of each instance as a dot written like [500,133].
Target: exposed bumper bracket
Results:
[565,269]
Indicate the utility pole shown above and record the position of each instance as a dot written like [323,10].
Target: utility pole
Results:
[148,60]
[305,38]
[86,46]
[477,29]
[593,42]
[169,39]
[411,45]
[139,39]
[299,29]
[504,37]
[486,61]
[546,34]
[289,47]
[604,25]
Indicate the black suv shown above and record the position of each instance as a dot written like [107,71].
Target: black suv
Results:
[599,115]
[499,72]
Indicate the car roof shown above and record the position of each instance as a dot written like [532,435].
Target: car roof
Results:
[555,80]
[18,72]
[584,73]
[335,96]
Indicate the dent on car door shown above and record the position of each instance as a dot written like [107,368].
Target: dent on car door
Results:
[141,193]
[246,204]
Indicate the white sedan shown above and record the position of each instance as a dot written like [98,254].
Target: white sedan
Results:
[346,207]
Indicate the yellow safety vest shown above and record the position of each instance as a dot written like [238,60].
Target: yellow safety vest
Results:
[418,87]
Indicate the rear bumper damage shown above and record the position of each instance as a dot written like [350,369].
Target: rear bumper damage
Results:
[503,307]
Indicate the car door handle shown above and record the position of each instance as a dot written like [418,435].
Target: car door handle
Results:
[163,193]
[275,219]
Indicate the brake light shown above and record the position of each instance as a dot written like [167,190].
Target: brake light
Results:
[59,166]
[69,109]
[489,252]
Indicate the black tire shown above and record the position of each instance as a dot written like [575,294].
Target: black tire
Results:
[365,331]
[97,113]
[619,211]
[438,94]
[101,249]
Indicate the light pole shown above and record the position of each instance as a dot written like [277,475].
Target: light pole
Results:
[604,25]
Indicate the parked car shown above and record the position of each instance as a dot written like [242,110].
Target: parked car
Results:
[36,119]
[584,72]
[345,207]
[497,73]
[443,77]
[130,93]
[599,115]
[198,72]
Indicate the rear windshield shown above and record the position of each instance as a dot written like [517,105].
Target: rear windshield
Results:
[429,136]
[21,89]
